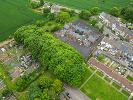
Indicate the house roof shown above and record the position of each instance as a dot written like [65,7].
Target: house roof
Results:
[120,45]
[109,72]
[116,22]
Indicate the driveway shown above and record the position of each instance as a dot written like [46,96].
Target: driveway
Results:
[75,94]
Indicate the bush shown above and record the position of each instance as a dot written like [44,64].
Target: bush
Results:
[95,11]
[6,93]
[85,14]
[101,57]
[71,12]
[24,81]
[127,13]
[34,4]
[40,23]
[115,11]
[93,22]
[51,16]
[45,88]
[46,11]
[63,17]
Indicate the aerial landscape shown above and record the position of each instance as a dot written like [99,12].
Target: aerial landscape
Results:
[66,50]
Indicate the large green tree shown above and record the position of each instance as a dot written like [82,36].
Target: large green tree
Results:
[115,11]
[85,14]
[63,17]
[95,10]
[59,58]
[127,13]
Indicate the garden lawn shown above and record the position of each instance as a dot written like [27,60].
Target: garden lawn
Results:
[88,73]
[96,88]
[130,78]
[85,4]
[14,14]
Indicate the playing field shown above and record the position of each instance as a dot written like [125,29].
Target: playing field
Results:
[98,89]
[85,4]
[13,14]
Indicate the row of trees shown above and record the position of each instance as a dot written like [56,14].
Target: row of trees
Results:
[126,13]
[61,59]
[86,14]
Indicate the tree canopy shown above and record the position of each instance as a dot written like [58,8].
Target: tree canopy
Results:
[60,58]
[127,13]
[63,17]
[85,14]
[45,88]
[115,11]
[95,10]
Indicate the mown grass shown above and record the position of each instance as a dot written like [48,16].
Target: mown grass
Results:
[125,92]
[14,14]
[98,89]
[86,4]
[130,78]
[88,73]
[116,85]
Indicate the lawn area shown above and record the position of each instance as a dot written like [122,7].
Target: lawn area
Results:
[85,4]
[98,89]
[14,14]
[125,92]
[88,73]
[130,78]
[116,85]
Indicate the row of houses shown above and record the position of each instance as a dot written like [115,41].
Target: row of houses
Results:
[123,82]
[118,50]
[116,26]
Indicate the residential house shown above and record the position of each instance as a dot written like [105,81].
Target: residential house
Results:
[115,25]
[80,35]
[117,50]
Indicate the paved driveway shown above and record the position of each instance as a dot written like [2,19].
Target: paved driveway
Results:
[75,94]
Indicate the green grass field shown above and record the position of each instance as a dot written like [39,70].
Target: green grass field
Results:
[85,4]
[14,14]
[98,89]
[130,78]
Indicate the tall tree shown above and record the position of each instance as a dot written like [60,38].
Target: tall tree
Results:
[63,17]
[115,11]
[85,14]
[95,10]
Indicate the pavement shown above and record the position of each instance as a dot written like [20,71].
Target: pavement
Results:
[75,93]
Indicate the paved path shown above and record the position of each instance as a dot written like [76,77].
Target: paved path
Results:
[76,94]
[88,79]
